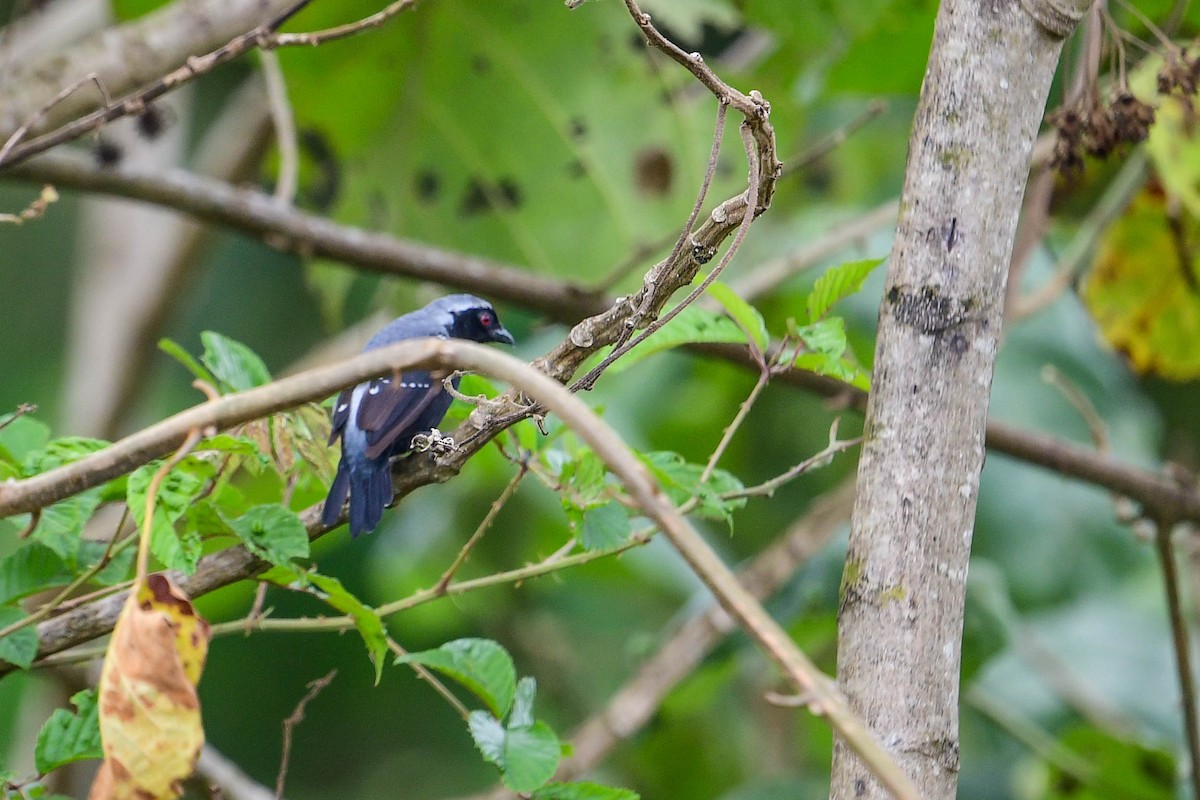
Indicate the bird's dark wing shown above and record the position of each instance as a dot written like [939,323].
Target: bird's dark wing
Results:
[390,406]
[341,413]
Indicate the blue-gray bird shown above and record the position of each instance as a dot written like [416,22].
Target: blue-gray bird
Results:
[378,419]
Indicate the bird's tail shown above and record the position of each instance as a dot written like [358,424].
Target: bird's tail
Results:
[337,495]
[370,493]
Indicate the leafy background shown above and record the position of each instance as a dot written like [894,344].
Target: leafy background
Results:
[555,141]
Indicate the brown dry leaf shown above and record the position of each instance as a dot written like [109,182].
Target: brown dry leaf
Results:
[149,712]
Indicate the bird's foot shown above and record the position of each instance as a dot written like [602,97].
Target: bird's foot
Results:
[434,442]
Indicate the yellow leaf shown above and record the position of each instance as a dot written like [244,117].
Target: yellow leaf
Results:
[1145,294]
[149,712]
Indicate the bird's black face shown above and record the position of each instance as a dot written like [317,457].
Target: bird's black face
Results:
[480,325]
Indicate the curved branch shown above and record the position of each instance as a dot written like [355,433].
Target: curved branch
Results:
[823,696]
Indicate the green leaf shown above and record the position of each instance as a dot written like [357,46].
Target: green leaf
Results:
[689,326]
[115,571]
[60,525]
[489,735]
[68,737]
[605,526]
[587,477]
[272,532]
[22,436]
[839,368]
[233,445]
[29,569]
[236,366]
[827,337]
[521,715]
[481,665]
[1124,768]
[681,481]
[527,756]
[176,493]
[19,647]
[531,755]
[838,283]
[742,312]
[189,362]
[582,791]
[331,591]
[59,452]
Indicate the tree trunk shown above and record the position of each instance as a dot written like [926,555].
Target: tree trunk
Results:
[900,623]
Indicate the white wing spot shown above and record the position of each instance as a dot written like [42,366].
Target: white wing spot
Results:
[385,380]
[343,407]
[373,390]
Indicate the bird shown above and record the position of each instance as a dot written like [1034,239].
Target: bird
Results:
[377,419]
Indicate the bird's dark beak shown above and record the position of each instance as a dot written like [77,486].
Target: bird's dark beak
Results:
[502,335]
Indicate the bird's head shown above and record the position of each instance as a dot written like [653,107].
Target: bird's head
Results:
[473,318]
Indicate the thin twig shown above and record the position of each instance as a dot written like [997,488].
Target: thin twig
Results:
[490,517]
[732,427]
[834,139]
[284,123]
[1112,203]
[552,563]
[20,132]
[639,312]
[1182,647]
[767,488]
[22,410]
[143,554]
[34,210]
[766,277]
[315,38]
[136,102]
[620,349]
[432,680]
[297,716]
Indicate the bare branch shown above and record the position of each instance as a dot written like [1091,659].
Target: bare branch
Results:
[1182,646]
[136,102]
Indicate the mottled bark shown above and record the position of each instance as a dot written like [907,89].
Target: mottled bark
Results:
[123,58]
[900,623]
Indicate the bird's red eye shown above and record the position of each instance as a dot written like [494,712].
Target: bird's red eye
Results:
[485,319]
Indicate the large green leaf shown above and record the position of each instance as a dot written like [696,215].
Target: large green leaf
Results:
[503,113]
